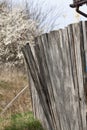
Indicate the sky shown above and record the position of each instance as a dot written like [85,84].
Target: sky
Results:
[66,15]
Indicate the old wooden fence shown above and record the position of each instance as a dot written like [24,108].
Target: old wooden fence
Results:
[56,69]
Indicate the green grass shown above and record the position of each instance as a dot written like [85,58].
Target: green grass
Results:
[23,121]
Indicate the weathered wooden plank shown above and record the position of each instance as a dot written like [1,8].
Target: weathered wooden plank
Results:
[74,77]
[37,81]
[78,32]
[43,72]
[56,77]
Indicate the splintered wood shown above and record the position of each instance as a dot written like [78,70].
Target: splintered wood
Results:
[56,75]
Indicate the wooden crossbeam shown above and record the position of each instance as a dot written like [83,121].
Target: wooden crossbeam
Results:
[78,3]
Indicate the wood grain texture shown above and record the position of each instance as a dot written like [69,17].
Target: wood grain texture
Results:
[56,75]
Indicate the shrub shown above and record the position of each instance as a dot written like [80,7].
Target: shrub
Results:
[24,121]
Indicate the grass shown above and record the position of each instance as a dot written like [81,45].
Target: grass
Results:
[22,121]
[5,84]
[12,82]
[16,118]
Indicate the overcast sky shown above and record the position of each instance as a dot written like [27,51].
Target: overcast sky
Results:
[67,14]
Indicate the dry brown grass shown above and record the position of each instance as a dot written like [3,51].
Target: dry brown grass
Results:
[12,81]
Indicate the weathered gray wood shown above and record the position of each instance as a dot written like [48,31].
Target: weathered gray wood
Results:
[55,67]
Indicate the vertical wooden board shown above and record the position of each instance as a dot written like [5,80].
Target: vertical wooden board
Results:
[57,78]
[37,107]
[77,32]
[84,28]
[48,85]
[44,75]
[50,76]
[59,73]
[38,83]
[69,86]
[74,77]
